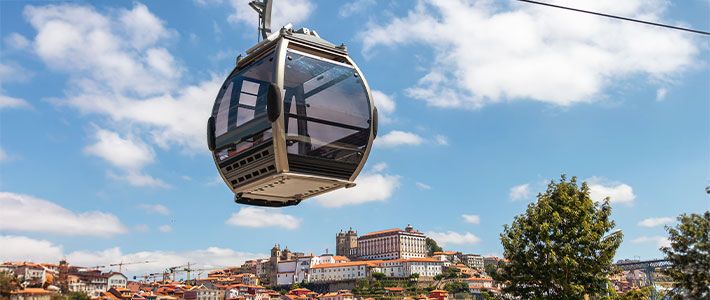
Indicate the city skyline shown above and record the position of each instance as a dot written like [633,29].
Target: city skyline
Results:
[104,104]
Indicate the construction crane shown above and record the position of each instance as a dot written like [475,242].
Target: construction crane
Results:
[147,277]
[121,264]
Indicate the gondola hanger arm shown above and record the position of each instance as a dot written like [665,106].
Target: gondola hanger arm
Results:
[263,8]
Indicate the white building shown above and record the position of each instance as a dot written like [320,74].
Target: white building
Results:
[340,271]
[425,267]
[298,270]
[392,244]
[474,261]
[117,280]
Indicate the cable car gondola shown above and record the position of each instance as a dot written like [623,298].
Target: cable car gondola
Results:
[294,119]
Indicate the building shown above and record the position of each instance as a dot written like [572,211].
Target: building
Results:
[478,284]
[339,295]
[439,295]
[31,294]
[340,271]
[392,244]
[298,269]
[203,292]
[473,261]
[423,267]
[116,280]
[346,244]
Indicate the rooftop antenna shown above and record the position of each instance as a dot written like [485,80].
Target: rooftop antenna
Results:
[263,8]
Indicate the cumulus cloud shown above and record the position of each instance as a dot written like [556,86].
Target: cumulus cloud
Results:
[354,7]
[12,102]
[661,94]
[519,192]
[653,222]
[20,212]
[423,186]
[119,67]
[441,140]
[155,208]
[260,217]
[16,41]
[453,238]
[20,248]
[659,241]
[385,105]
[283,12]
[165,228]
[600,188]
[398,138]
[372,186]
[473,219]
[522,52]
[27,249]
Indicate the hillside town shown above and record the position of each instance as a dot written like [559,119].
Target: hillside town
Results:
[394,263]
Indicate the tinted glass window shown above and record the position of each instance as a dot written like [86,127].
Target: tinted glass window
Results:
[326,108]
[240,109]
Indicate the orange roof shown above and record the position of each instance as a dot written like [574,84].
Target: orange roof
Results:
[383,231]
[439,291]
[478,279]
[32,291]
[445,253]
[340,257]
[394,289]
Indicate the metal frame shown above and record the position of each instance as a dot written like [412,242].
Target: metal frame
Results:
[280,42]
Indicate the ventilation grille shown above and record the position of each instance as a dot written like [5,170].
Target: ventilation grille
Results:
[250,165]
[320,167]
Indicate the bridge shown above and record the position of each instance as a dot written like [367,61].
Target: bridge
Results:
[648,267]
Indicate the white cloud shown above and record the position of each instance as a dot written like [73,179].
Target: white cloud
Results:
[453,238]
[165,228]
[16,41]
[653,222]
[473,219]
[371,187]
[26,213]
[119,67]
[659,241]
[385,105]
[156,208]
[379,167]
[441,140]
[523,52]
[661,94]
[520,192]
[600,188]
[283,12]
[207,2]
[354,7]
[20,248]
[125,153]
[26,249]
[398,138]
[142,228]
[12,102]
[423,186]
[261,217]
[3,155]
[129,154]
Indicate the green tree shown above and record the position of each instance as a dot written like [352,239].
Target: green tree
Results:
[8,283]
[77,296]
[690,254]
[378,276]
[558,249]
[637,294]
[432,246]
[456,287]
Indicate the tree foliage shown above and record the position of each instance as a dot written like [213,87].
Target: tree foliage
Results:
[558,249]
[690,254]
[455,287]
[432,246]
[8,283]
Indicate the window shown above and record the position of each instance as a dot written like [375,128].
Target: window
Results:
[240,109]
[326,108]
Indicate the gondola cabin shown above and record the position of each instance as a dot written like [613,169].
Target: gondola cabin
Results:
[293,120]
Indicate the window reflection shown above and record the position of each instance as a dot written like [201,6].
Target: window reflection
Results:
[327,109]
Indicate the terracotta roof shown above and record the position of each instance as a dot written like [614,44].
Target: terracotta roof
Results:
[439,291]
[478,279]
[340,257]
[32,291]
[382,231]
[445,253]
[394,289]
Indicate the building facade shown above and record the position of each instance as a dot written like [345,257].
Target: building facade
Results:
[424,267]
[392,244]
[346,243]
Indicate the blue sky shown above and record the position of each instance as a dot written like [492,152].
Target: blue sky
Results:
[103,107]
